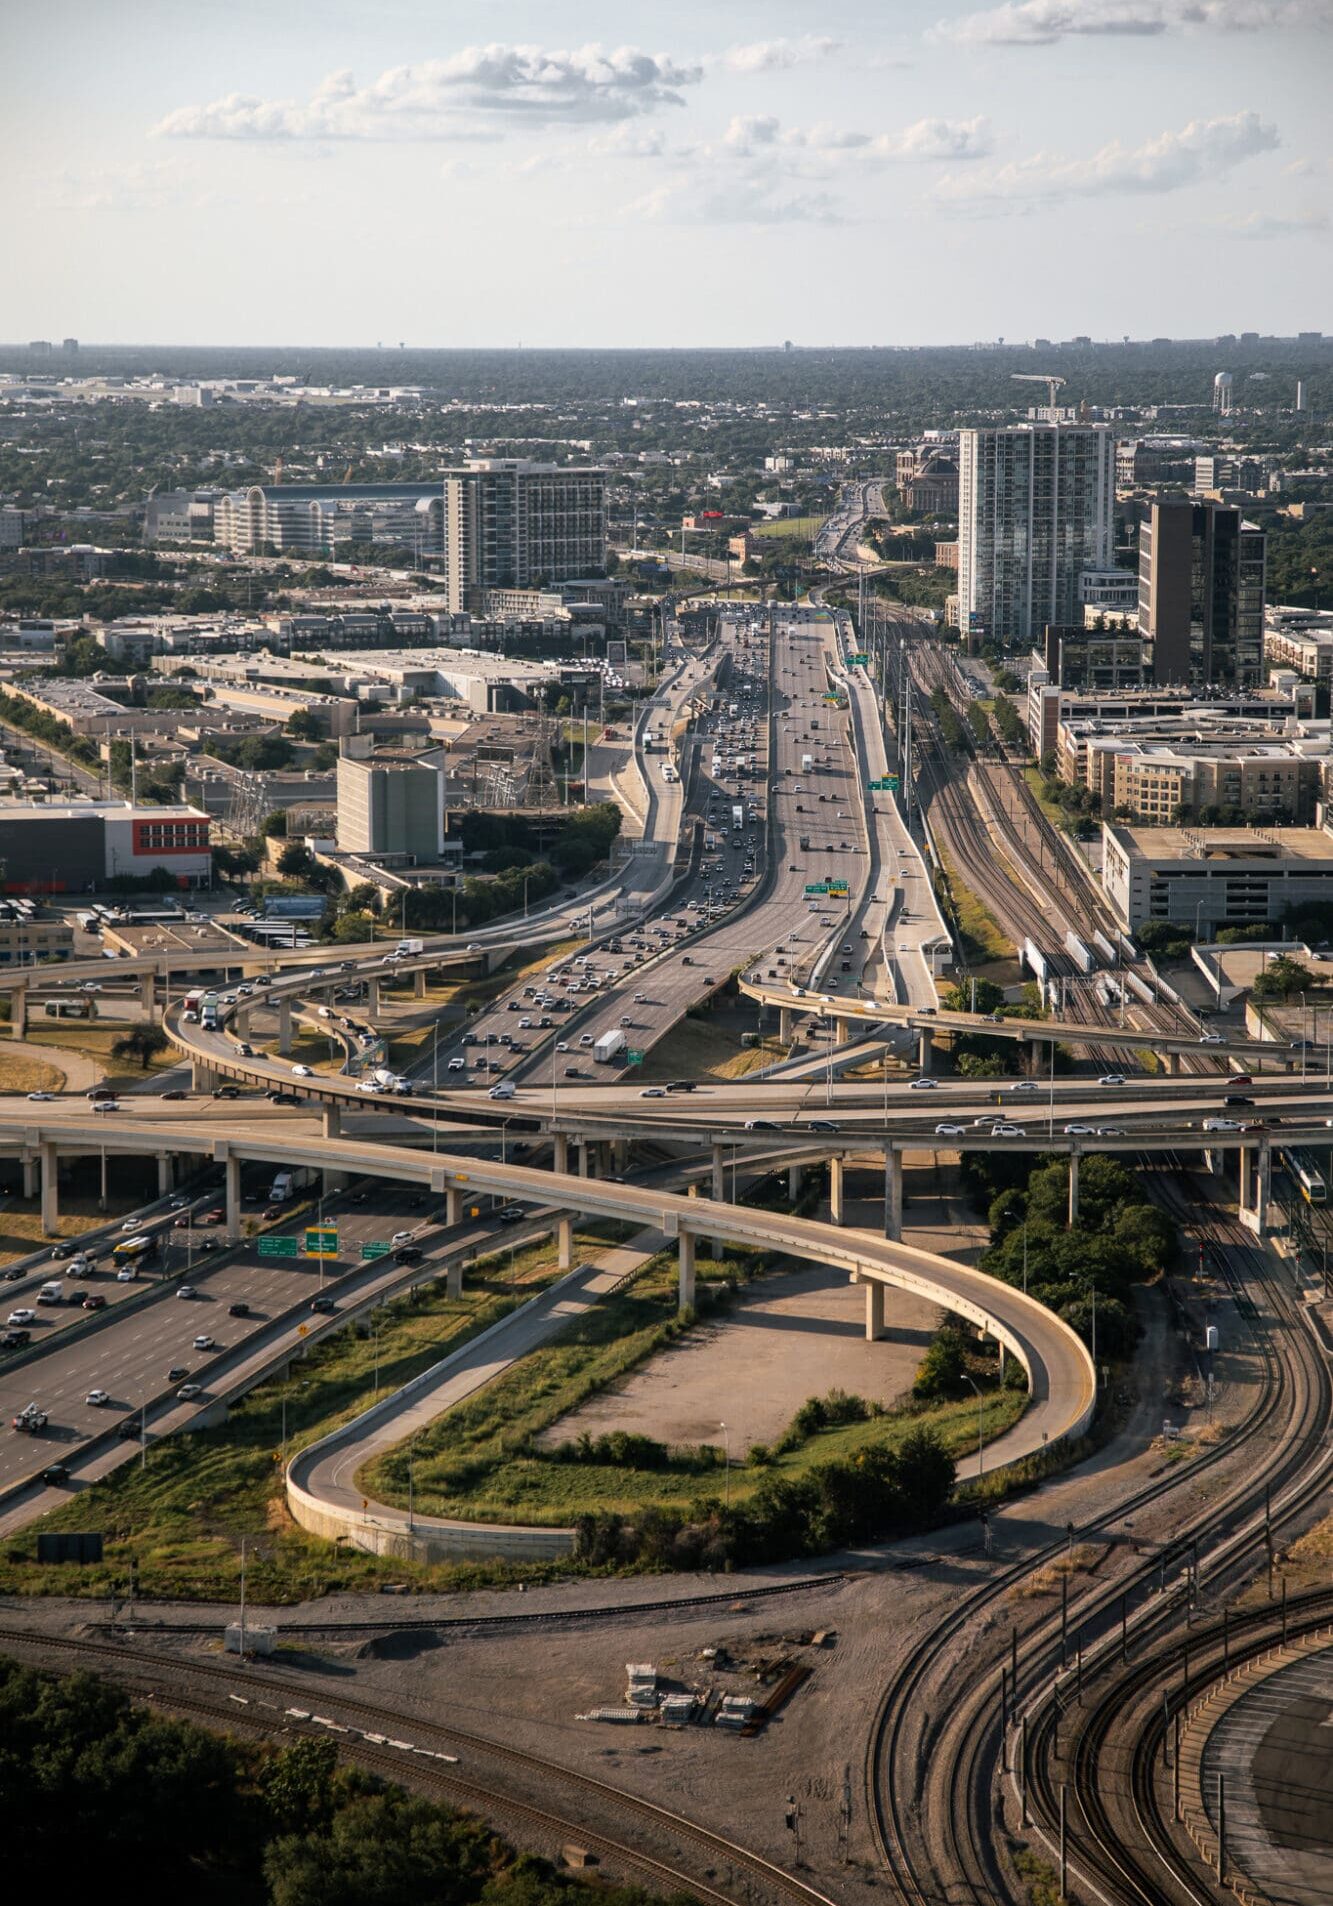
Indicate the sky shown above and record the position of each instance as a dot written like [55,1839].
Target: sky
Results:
[538,172]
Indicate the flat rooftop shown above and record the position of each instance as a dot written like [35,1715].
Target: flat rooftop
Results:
[1210,844]
[164,936]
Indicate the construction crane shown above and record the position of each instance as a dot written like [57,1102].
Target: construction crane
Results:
[1053,384]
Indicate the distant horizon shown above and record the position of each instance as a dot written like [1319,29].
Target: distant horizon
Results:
[781,348]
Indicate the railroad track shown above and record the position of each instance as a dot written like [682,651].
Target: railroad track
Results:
[262,1701]
[949,1852]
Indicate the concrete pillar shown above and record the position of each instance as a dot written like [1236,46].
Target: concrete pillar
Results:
[453,1279]
[719,1172]
[333,1121]
[419,983]
[18,1012]
[284,1025]
[1245,1173]
[843,1033]
[148,992]
[875,1293]
[453,1206]
[786,1025]
[835,1191]
[893,1194]
[924,1049]
[202,1077]
[50,1186]
[233,1175]
[1073,1187]
[29,1175]
[559,1152]
[793,1182]
[166,1173]
[564,1236]
[373,995]
[686,1269]
[1173,1064]
[585,1147]
[1263,1179]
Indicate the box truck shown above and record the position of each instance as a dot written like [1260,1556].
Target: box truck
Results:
[807,763]
[609,1046]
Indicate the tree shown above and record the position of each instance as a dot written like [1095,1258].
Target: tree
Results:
[302,725]
[365,897]
[296,861]
[976,995]
[142,1043]
[274,825]
[1281,978]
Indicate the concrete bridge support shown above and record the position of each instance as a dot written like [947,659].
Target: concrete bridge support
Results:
[233,1201]
[166,1173]
[1173,1064]
[564,1237]
[893,1195]
[202,1077]
[148,994]
[793,1182]
[843,1033]
[719,1172]
[786,1025]
[1073,1186]
[836,1199]
[453,1277]
[18,1012]
[924,1049]
[585,1148]
[333,1121]
[1256,1177]
[30,1180]
[686,1269]
[559,1152]
[875,1308]
[419,983]
[50,1186]
[373,995]
[284,1025]
[453,1206]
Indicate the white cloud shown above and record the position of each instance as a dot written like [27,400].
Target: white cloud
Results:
[748,199]
[1260,225]
[1200,151]
[772,56]
[1045,22]
[469,95]
[929,139]
[629,140]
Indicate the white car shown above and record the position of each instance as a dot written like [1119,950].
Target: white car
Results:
[1006,1131]
[125,1276]
[17,1317]
[456,1065]
[96,1397]
[41,1097]
[302,1072]
[132,1224]
[562,1045]
[1025,1085]
[1207,1039]
[204,1342]
[1112,1078]
[923,1085]
[653,1092]
[1078,1131]
[189,1390]
[186,1290]
[367,1085]
[400,1237]
[1221,1125]
[950,1131]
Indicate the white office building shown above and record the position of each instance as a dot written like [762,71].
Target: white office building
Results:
[1035,504]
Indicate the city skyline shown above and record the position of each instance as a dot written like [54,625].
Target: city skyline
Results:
[668,180]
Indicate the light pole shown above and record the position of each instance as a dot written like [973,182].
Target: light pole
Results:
[726,1459]
[981,1426]
[411,1453]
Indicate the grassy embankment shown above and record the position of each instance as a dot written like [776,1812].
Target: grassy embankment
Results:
[95,1043]
[182,1516]
[484,1462]
[983,936]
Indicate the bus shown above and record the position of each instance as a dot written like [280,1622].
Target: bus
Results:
[83,1008]
[136,1249]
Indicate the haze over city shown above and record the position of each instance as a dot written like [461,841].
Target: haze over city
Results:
[491,173]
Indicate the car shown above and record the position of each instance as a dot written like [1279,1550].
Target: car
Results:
[950,1131]
[1078,1131]
[510,1213]
[24,1315]
[562,1045]
[204,1342]
[761,1125]
[324,1305]
[96,1398]
[1221,1125]
[400,1237]
[240,1309]
[187,1290]
[188,1391]
[226,1092]
[1241,1078]
[653,1092]
[1024,1085]
[923,1084]
[106,1105]
[131,1224]
[1110,1131]
[1112,1078]
[1205,1039]
[130,1426]
[126,1274]
[302,1072]
[999,1130]
[41,1097]
[176,1093]
[56,1473]
[94,1301]
[14,1339]
[176,1373]
[408,1254]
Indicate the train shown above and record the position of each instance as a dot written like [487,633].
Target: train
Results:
[1306,1174]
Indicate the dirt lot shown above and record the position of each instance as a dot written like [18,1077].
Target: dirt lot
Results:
[792,1335]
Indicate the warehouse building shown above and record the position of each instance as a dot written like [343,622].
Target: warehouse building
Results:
[79,846]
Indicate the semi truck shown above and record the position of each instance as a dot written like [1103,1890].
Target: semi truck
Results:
[807,763]
[281,1189]
[737,819]
[208,1012]
[609,1046]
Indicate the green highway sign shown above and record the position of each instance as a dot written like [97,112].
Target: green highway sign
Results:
[321,1240]
[278,1247]
[377,1247]
[858,661]
[633,1057]
[817,886]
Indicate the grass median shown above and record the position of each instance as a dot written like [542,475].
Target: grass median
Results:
[497,1458]
[95,1043]
[177,1522]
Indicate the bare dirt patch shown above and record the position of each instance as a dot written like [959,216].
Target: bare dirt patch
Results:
[791,1335]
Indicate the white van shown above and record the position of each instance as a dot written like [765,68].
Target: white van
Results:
[52,1293]
[505,1090]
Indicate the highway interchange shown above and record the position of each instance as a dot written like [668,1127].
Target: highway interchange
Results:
[449,1171]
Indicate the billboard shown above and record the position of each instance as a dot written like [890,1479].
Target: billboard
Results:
[293,906]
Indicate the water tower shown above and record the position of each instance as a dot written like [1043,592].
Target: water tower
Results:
[1222,393]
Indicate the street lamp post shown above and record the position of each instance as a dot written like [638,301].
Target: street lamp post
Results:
[411,1453]
[726,1459]
[981,1426]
